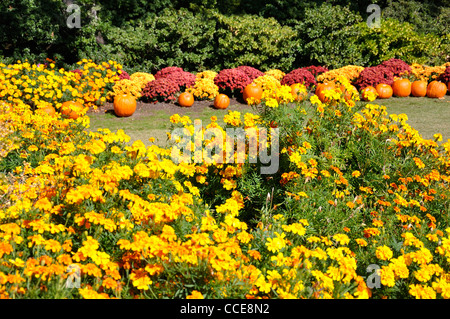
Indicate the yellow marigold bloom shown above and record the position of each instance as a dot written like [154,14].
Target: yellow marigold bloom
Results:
[88,293]
[356,173]
[195,295]
[387,276]
[383,253]
[277,243]
[422,292]
[342,239]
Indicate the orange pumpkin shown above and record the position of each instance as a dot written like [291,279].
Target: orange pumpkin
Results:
[384,91]
[186,99]
[367,89]
[221,101]
[297,93]
[436,89]
[348,94]
[401,88]
[50,110]
[71,109]
[320,90]
[253,90]
[124,105]
[419,88]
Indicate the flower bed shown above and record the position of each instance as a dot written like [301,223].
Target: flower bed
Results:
[355,190]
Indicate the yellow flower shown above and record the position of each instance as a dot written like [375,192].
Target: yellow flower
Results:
[383,253]
[195,295]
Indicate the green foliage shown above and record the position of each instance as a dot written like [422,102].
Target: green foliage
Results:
[399,40]
[174,38]
[216,34]
[328,37]
[255,41]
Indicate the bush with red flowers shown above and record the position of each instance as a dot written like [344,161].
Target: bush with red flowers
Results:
[124,75]
[252,72]
[397,66]
[316,70]
[181,78]
[300,75]
[374,75]
[231,81]
[160,90]
[167,71]
[445,77]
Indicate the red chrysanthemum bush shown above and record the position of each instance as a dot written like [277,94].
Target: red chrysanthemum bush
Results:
[374,75]
[445,77]
[232,81]
[164,72]
[397,66]
[316,70]
[300,75]
[252,72]
[182,79]
[124,75]
[162,90]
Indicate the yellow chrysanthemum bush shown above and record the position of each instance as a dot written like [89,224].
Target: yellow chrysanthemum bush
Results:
[350,72]
[132,86]
[204,87]
[427,73]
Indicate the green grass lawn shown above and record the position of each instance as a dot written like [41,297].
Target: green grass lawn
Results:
[428,116]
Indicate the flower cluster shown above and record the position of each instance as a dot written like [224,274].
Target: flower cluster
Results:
[316,70]
[204,87]
[351,72]
[428,73]
[232,80]
[34,84]
[167,71]
[162,89]
[251,72]
[445,77]
[397,66]
[276,73]
[299,75]
[372,76]
[123,75]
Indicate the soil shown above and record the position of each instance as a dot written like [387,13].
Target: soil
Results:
[146,109]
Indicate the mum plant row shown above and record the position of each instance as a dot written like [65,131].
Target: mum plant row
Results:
[88,215]
[89,85]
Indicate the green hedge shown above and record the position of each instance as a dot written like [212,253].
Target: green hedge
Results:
[217,34]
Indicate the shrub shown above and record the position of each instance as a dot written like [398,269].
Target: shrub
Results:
[231,81]
[124,75]
[350,72]
[372,76]
[253,40]
[162,90]
[445,77]
[397,66]
[399,40]
[316,70]
[251,72]
[166,71]
[299,75]
[182,79]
